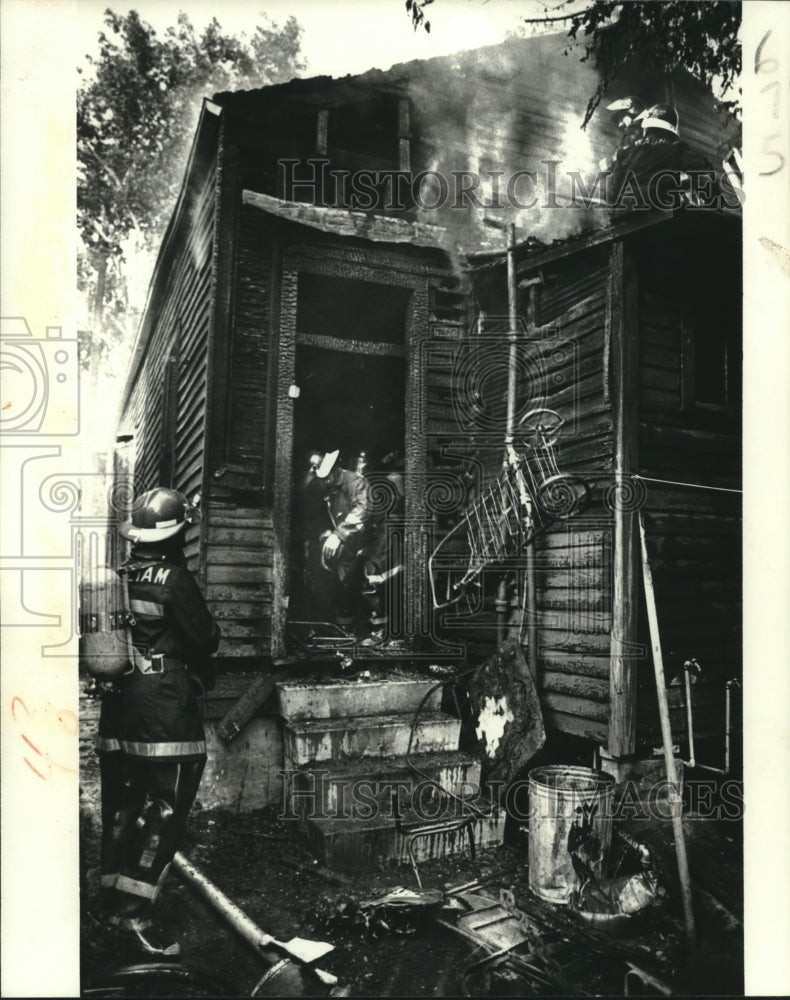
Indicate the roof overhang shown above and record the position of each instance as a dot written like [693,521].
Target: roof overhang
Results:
[346,223]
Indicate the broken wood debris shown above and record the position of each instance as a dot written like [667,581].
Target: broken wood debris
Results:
[396,911]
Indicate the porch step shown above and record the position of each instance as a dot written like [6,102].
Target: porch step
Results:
[366,736]
[345,697]
[357,844]
[361,788]
[345,743]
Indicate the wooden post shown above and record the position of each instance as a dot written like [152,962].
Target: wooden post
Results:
[666,739]
[531,596]
[512,312]
[279,442]
[624,329]
[322,132]
[404,135]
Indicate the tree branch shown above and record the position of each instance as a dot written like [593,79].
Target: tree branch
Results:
[109,170]
[555,17]
[100,231]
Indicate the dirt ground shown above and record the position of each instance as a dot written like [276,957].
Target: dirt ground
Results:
[264,866]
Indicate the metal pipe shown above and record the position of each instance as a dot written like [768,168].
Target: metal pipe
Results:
[692,761]
[512,313]
[689,717]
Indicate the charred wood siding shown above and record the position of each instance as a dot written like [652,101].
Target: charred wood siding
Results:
[239,577]
[564,333]
[180,330]
[694,535]
[239,535]
[574,599]
[247,416]
[574,559]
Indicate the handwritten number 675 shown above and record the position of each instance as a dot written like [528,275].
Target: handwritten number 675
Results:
[769,65]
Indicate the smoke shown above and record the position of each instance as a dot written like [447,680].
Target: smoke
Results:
[486,121]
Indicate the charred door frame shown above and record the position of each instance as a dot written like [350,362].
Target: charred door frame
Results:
[379,264]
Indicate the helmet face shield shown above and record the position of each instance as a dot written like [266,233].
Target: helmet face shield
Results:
[158,515]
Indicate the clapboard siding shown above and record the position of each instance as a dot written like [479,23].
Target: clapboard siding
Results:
[564,352]
[239,577]
[576,608]
[239,540]
[574,558]
[178,329]
[250,350]
[573,293]
[693,532]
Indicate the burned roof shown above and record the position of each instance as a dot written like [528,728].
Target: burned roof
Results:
[533,253]
[323,91]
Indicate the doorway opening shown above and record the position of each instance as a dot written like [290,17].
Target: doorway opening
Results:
[351,373]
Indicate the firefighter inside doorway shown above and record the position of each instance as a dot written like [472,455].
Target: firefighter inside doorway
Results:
[353,562]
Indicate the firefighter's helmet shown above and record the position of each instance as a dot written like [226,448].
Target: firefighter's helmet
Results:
[327,463]
[159,514]
[660,116]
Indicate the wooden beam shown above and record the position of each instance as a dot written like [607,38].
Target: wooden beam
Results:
[624,329]
[243,710]
[373,348]
[675,799]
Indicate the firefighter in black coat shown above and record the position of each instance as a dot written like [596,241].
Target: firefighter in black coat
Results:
[151,740]
[341,515]
[659,170]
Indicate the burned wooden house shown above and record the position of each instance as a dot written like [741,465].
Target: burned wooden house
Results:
[335,275]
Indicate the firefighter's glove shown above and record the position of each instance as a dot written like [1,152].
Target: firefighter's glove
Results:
[331,548]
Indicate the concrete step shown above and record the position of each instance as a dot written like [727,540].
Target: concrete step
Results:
[354,845]
[368,736]
[362,788]
[341,697]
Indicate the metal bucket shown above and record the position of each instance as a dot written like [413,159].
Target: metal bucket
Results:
[559,797]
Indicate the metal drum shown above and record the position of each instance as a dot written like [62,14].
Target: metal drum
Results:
[560,798]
